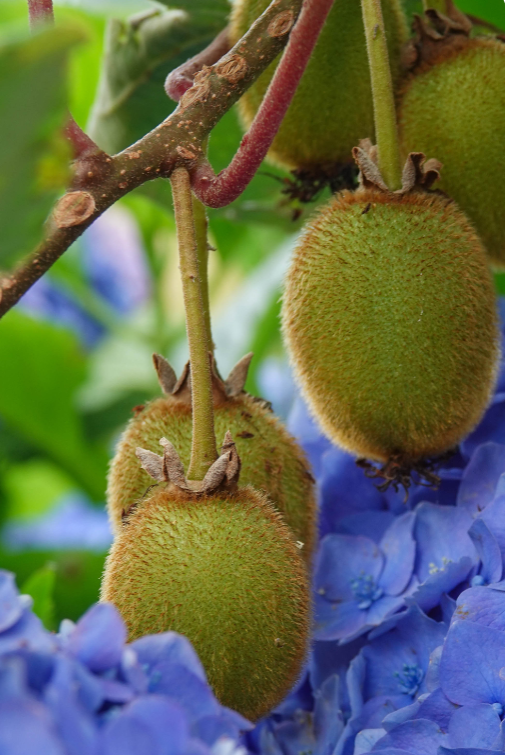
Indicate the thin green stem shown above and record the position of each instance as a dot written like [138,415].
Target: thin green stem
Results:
[202,247]
[203,445]
[386,129]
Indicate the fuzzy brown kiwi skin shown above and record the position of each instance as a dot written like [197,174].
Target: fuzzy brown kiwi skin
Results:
[352,373]
[271,458]
[224,571]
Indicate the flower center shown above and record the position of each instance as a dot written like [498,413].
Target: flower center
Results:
[410,678]
[365,590]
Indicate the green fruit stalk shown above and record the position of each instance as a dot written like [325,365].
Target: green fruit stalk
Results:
[221,567]
[453,106]
[271,459]
[390,319]
[332,108]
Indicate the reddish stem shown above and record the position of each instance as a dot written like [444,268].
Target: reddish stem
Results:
[40,11]
[218,191]
[181,79]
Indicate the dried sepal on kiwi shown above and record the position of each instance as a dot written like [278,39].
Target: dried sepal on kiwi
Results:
[273,461]
[418,173]
[222,475]
[436,35]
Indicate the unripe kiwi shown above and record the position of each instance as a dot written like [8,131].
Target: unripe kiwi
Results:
[332,108]
[390,318]
[455,109]
[272,461]
[224,571]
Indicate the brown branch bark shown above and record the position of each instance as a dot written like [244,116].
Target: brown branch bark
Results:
[100,180]
[179,81]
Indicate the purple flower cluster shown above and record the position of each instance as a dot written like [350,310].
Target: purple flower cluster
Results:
[85,692]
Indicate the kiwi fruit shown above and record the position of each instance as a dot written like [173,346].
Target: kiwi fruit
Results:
[453,106]
[332,108]
[272,461]
[222,569]
[390,319]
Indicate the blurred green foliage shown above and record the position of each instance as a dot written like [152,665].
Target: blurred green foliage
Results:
[62,406]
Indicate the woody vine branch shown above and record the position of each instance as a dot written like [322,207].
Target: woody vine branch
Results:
[99,179]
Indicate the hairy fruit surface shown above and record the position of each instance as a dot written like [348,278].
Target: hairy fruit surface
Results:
[389,315]
[271,459]
[224,571]
[455,109]
[332,108]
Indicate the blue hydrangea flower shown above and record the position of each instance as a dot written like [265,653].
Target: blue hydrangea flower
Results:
[115,262]
[47,300]
[84,692]
[359,583]
[73,523]
[390,671]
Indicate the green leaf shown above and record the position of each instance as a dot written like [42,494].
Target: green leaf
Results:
[33,487]
[33,153]
[40,586]
[42,368]
[213,10]
[139,54]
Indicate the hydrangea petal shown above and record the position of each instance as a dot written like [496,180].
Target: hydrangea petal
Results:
[419,737]
[489,552]
[399,548]
[26,729]
[437,708]
[189,690]
[11,607]
[474,726]
[337,621]
[442,537]
[482,605]
[328,719]
[342,559]
[75,726]
[151,724]
[478,486]
[396,662]
[472,667]
[428,594]
[168,647]
[27,633]
[98,638]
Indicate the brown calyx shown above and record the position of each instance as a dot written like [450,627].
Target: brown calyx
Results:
[399,473]
[306,183]
[222,390]
[436,36]
[222,476]
[418,174]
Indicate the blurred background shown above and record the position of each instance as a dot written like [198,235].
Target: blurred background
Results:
[75,355]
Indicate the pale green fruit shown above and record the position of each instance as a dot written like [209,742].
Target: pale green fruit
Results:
[390,318]
[224,571]
[332,108]
[455,111]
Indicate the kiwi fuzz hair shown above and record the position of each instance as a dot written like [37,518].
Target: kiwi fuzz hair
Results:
[402,360]
[271,459]
[332,108]
[224,571]
[454,109]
